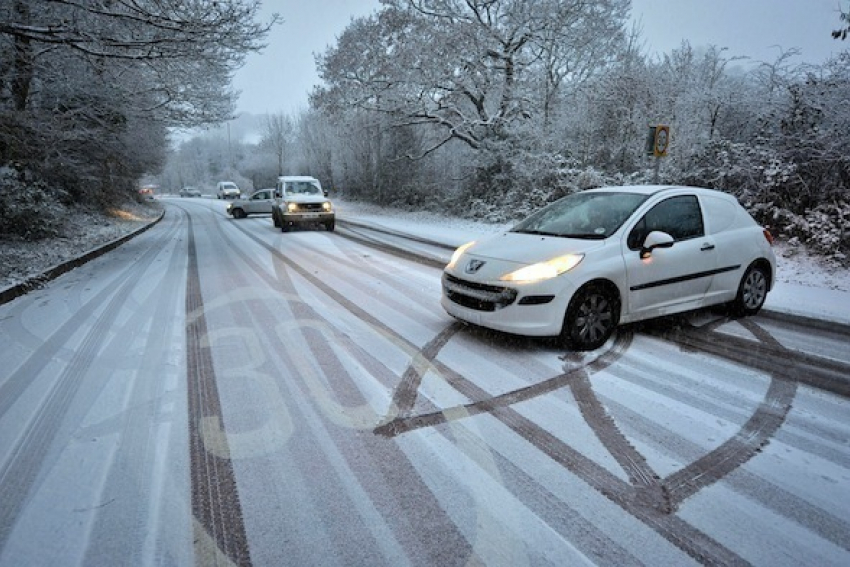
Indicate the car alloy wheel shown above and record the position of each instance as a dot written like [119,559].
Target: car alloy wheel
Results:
[591,318]
[752,292]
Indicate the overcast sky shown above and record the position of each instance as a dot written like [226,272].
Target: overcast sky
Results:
[280,78]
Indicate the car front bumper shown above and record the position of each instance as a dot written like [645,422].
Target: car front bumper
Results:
[532,310]
[306,218]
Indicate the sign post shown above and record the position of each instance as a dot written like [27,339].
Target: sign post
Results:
[657,143]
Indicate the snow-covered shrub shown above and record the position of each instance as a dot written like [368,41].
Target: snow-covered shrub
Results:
[519,181]
[479,209]
[29,210]
[753,173]
[824,229]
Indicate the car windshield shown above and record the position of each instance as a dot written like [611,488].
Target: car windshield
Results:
[593,215]
[302,188]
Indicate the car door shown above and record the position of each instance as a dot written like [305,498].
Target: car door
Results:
[260,202]
[668,278]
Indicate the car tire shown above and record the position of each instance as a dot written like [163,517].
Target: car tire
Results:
[591,317]
[275,220]
[329,226]
[238,214]
[752,291]
[285,226]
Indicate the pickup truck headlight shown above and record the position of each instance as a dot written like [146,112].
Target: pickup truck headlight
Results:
[291,208]
[326,206]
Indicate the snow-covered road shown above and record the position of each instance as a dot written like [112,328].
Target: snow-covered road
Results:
[217,391]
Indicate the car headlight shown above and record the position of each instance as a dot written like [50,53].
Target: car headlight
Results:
[291,208]
[326,206]
[458,253]
[544,270]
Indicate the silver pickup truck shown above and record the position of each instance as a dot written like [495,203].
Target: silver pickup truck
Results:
[258,202]
[301,201]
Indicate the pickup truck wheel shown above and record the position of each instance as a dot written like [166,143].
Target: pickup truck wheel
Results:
[275,220]
[329,226]
[285,227]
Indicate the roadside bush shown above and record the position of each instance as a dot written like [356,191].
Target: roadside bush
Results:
[29,210]
[824,229]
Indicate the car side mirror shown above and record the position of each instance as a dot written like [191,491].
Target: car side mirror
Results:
[655,239]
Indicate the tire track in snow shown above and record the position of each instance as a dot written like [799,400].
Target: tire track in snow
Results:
[646,502]
[394,479]
[20,472]
[215,499]
[758,429]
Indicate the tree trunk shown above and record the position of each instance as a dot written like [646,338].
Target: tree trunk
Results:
[22,68]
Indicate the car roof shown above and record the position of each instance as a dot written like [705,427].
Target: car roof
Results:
[657,189]
[296,178]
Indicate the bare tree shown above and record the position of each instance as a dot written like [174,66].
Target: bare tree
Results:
[842,32]
[88,87]
[278,135]
[186,49]
[463,69]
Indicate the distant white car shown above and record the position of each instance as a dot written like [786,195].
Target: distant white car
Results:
[594,259]
[258,202]
[227,190]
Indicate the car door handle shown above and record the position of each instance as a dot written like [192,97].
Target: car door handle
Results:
[706,247]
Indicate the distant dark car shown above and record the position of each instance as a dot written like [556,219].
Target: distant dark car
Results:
[190,192]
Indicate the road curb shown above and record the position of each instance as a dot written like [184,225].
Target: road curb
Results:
[820,324]
[39,280]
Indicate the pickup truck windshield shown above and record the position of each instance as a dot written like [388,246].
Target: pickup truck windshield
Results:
[301,188]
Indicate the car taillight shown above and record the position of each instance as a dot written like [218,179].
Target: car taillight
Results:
[767,236]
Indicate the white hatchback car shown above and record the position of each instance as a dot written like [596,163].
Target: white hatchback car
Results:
[594,259]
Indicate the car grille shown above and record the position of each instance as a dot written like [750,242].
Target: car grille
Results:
[309,207]
[480,297]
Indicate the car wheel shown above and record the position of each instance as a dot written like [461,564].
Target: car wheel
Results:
[239,214]
[285,227]
[275,220]
[591,317]
[752,292]
[329,226]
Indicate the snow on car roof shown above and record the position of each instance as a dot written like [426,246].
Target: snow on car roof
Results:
[297,178]
[653,189]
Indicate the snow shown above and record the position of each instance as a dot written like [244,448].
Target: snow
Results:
[81,232]
[806,285]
